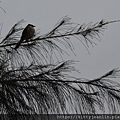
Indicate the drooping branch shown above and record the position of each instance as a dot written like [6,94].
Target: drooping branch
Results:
[51,81]
[55,71]
[84,30]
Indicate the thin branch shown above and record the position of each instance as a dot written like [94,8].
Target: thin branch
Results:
[84,33]
[111,73]
[2,9]
[90,82]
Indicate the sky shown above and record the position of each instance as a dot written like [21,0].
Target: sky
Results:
[44,14]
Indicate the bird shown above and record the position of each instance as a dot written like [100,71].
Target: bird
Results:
[27,34]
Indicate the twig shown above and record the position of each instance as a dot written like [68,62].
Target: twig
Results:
[3,9]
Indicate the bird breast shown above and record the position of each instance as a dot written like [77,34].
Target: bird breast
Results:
[30,32]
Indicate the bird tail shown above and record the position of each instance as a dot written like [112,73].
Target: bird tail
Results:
[18,44]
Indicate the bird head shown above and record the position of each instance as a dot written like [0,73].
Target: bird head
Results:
[30,25]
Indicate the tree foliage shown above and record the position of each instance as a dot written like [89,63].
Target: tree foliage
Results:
[32,82]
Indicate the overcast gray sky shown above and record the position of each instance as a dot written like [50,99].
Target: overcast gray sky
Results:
[45,14]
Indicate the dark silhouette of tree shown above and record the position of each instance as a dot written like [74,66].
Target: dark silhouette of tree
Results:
[31,82]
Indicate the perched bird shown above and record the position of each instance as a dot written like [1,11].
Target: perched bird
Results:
[27,33]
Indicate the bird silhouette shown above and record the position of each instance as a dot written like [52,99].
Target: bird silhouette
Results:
[27,33]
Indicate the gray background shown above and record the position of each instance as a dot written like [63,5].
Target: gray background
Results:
[44,14]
